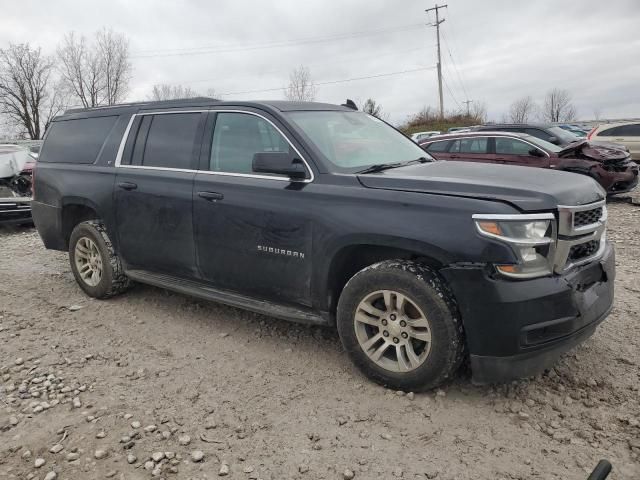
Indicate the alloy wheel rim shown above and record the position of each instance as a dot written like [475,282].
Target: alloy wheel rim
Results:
[393,331]
[88,261]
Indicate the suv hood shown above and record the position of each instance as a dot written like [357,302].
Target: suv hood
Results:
[599,152]
[526,188]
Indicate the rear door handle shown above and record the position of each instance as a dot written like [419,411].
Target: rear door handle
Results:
[211,196]
[127,185]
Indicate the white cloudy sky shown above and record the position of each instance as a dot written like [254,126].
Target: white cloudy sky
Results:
[502,49]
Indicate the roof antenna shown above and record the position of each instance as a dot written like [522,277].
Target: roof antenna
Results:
[350,104]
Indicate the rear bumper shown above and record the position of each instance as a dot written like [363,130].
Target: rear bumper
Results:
[15,210]
[48,222]
[519,329]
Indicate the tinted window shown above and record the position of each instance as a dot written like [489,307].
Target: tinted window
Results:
[170,140]
[511,146]
[76,141]
[628,130]
[536,132]
[609,132]
[237,137]
[473,145]
[438,146]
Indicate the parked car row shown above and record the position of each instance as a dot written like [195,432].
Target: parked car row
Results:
[607,154]
[612,168]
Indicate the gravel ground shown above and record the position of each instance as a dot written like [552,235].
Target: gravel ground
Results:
[153,384]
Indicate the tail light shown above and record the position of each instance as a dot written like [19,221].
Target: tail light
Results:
[593,130]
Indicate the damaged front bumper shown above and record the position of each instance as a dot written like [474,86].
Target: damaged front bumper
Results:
[516,329]
[15,210]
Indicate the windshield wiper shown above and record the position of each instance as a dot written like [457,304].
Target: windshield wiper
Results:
[379,167]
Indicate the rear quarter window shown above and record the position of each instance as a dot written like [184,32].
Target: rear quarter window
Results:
[76,141]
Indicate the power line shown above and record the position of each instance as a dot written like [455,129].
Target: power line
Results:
[332,82]
[238,48]
[455,66]
[279,70]
[451,94]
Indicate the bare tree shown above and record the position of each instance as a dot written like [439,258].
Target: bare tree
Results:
[374,108]
[522,110]
[558,106]
[164,91]
[301,87]
[478,112]
[113,53]
[27,97]
[96,74]
[597,113]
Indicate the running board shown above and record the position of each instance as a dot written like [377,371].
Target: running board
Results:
[203,291]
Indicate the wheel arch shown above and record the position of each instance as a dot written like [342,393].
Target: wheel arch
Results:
[350,257]
[74,211]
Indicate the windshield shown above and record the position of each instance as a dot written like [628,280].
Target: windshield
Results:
[550,147]
[354,140]
[563,135]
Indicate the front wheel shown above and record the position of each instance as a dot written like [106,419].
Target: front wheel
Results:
[399,324]
[94,263]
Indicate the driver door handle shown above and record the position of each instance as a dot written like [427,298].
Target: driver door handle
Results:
[211,196]
[127,185]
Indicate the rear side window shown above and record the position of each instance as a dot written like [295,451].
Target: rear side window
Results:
[170,140]
[470,145]
[76,141]
[438,146]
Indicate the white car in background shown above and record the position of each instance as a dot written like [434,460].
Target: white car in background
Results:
[625,133]
[418,136]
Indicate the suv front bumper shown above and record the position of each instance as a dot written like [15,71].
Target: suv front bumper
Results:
[517,329]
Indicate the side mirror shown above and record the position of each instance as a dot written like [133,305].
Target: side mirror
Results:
[553,140]
[279,163]
[534,152]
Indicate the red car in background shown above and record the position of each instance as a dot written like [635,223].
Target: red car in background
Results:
[610,167]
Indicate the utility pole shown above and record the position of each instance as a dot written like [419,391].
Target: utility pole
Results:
[468,111]
[437,25]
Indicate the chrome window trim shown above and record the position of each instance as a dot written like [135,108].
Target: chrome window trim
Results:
[127,131]
[488,137]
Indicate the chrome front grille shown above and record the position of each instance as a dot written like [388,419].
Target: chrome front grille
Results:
[581,234]
[587,217]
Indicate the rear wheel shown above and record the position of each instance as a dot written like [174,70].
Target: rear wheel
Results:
[94,263]
[399,323]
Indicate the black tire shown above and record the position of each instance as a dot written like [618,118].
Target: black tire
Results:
[113,280]
[427,291]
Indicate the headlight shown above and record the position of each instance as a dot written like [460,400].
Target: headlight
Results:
[531,237]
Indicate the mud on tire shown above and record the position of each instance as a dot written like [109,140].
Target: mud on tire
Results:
[428,311]
[113,279]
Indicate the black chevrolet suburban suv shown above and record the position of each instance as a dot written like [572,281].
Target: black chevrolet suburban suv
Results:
[321,214]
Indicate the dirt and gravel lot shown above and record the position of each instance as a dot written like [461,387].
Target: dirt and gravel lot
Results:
[158,385]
